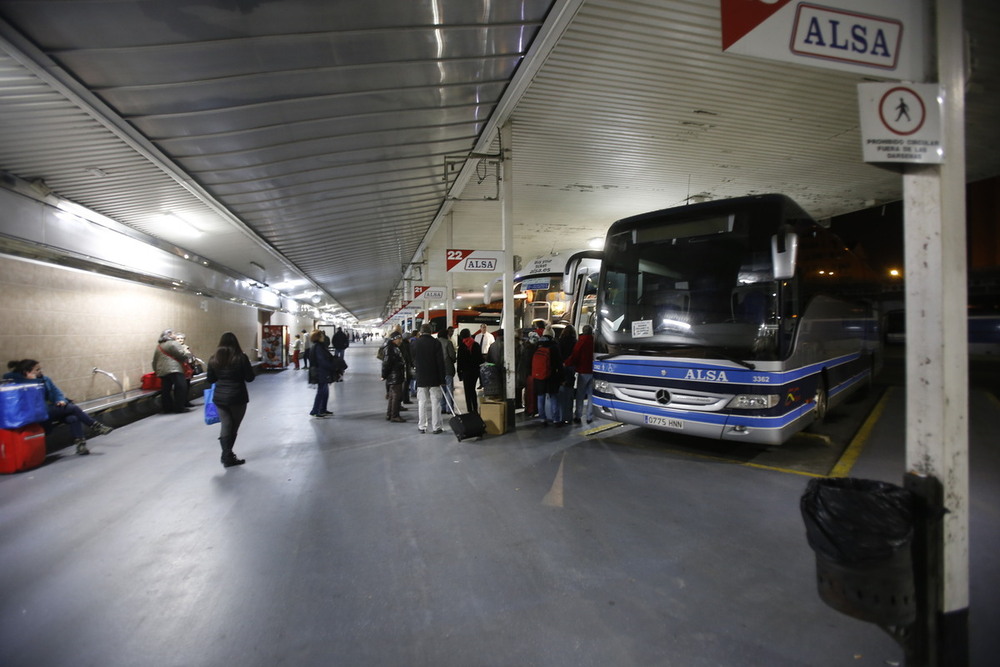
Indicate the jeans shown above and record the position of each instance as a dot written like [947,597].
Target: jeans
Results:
[548,406]
[449,387]
[428,399]
[585,396]
[322,397]
[72,416]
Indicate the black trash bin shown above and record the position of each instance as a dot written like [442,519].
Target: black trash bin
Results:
[862,532]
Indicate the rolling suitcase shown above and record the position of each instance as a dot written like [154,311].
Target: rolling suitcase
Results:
[22,448]
[468,425]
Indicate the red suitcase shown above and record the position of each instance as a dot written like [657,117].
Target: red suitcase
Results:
[22,448]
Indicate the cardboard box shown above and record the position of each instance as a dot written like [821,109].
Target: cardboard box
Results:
[495,417]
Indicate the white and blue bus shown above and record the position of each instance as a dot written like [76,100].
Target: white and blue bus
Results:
[740,319]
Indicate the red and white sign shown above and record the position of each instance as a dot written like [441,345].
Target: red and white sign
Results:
[473,261]
[428,292]
[875,37]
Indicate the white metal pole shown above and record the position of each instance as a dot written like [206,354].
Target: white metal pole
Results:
[450,287]
[936,318]
[507,223]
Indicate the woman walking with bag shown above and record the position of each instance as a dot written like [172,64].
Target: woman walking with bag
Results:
[229,370]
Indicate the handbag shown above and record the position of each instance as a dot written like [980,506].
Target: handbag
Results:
[188,370]
[22,404]
[151,381]
[211,411]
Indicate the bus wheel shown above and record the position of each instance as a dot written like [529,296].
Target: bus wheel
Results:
[822,403]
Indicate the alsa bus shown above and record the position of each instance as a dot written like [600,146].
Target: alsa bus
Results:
[734,319]
[559,289]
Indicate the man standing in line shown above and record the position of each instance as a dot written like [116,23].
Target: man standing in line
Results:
[450,354]
[428,360]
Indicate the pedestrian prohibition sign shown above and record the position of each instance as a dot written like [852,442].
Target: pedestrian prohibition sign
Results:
[901,122]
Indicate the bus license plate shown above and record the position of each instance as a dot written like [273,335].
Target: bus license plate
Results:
[653,420]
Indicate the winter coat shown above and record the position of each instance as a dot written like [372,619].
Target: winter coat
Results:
[393,365]
[320,357]
[340,341]
[469,361]
[169,359]
[231,381]
[428,358]
[450,355]
[582,358]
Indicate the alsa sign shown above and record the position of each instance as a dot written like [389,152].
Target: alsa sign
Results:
[473,261]
[873,37]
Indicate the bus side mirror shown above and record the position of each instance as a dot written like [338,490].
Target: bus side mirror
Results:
[784,252]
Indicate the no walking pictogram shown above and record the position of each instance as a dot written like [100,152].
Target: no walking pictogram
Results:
[902,111]
[901,122]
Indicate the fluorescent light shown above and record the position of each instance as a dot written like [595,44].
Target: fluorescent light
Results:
[179,224]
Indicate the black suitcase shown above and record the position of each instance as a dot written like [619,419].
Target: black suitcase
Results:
[469,425]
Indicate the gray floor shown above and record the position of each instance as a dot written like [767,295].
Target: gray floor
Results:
[353,541]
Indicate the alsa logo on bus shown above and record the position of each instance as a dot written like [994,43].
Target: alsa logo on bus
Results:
[706,375]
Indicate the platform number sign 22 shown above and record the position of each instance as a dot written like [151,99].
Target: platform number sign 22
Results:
[486,261]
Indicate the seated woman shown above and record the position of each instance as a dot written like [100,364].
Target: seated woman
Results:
[60,408]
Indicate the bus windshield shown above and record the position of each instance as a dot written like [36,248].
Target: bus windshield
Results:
[702,284]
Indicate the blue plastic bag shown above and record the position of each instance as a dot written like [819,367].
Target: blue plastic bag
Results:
[22,404]
[211,412]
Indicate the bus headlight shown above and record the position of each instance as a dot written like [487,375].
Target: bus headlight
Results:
[753,401]
[602,386]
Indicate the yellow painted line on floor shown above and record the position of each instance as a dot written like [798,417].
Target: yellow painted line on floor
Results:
[601,429]
[853,451]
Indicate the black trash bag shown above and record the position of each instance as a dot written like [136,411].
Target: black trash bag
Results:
[857,520]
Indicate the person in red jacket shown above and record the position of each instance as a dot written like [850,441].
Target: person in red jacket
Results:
[582,359]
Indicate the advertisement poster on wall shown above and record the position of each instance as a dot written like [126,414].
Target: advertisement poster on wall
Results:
[274,345]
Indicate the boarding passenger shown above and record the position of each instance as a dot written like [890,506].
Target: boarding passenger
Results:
[428,360]
[168,364]
[394,374]
[229,370]
[448,391]
[470,358]
[60,408]
[582,359]
[567,341]
[321,374]
[524,379]
[546,367]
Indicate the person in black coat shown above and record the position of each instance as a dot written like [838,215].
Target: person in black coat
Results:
[394,374]
[322,372]
[229,370]
[428,362]
[470,358]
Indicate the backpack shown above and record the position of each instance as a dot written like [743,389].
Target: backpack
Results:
[541,364]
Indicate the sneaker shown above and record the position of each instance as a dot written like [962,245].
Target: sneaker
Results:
[81,447]
[422,430]
[436,431]
[576,420]
[326,413]
[101,429]
[320,415]
[398,420]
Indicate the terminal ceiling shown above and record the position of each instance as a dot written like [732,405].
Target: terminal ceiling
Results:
[331,140]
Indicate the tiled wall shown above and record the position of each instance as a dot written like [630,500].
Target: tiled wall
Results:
[72,321]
